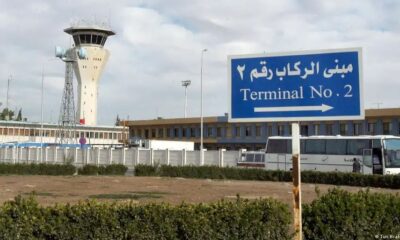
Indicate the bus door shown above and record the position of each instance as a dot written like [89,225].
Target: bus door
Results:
[281,162]
[377,166]
[366,166]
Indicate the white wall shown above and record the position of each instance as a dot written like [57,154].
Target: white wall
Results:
[129,157]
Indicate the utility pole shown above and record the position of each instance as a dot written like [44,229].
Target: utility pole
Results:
[8,90]
[201,109]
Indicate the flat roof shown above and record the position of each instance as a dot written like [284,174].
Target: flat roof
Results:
[4,123]
[369,113]
[73,30]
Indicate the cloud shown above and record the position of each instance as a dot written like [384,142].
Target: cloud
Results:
[159,43]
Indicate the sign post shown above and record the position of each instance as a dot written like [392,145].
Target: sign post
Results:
[292,87]
[296,180]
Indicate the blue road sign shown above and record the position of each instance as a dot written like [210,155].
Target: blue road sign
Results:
[299,86]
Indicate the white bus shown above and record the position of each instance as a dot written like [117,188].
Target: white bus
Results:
[364,154]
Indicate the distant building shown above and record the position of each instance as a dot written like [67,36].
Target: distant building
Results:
[218,133]
[24,132]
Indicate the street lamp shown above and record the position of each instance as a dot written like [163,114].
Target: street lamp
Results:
[185,84]
[8,90]
[201,108]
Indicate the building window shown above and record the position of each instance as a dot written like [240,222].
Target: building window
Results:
[329,129]
[357,129]
[209,132]
[192,132]
[316,129]
[258,131]
[270,130]
[176,132]
[281,130]
[168,132]
[237,131]
[304,130]
[387,128]
[219,132]
[371,128]
[160,132]
[248,131]
[184,132]
[153,133]
[343,129]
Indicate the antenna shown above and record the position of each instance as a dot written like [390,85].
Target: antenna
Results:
[378,104]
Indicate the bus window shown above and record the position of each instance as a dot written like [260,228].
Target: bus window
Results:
[259,158]
[336,146]
[376,143]
[392,153]
[249,157]
[277,146]
[289,146]
[356,146]
[315,146]
[367,157]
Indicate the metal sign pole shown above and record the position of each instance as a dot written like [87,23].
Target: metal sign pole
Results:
[296,181]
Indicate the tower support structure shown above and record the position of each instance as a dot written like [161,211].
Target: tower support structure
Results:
[66,133]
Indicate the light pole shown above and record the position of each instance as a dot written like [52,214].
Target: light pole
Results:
[201,108]
[185,84]
[8,90]
[41,116]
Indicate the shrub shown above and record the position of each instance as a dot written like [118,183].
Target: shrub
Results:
[260,219]
[88,170]
[145,170]
[37,169]
[113,169]
[343,215]
[214,172]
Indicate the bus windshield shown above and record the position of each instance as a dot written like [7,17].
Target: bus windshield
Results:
[392,153]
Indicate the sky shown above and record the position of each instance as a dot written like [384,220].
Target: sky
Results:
[159,43]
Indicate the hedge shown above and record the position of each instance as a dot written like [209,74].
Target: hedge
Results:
[37,169]
[60,169]
[113,169]
[343,215]
[241,219]
[214,172]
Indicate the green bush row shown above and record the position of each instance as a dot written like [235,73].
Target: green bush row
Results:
[60,169]
[113,169]
[36,169]
[214,172]
[241,219]
[343,215]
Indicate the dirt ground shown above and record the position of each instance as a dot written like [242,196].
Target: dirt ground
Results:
[72,189]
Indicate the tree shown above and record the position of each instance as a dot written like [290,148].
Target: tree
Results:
[6,114]
[117,121]
[19,116]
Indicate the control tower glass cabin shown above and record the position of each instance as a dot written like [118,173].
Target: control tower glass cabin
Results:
[88,70]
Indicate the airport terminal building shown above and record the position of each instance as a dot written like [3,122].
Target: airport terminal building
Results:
[219,133]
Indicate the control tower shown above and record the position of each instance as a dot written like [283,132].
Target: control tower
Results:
[88,70]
